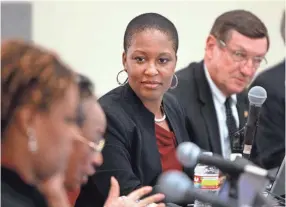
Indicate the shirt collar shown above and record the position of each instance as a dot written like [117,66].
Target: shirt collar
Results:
[216,92]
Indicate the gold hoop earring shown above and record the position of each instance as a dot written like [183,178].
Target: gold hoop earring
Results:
[117,78]
[176,84]
[32,141]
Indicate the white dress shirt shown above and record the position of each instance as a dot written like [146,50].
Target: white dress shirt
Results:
[219,99]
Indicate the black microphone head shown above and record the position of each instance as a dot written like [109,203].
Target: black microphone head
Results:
[174,185]
[257,95]
[188,154]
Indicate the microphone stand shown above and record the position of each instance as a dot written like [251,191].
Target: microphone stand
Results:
[250,188]
[245,188]
[256,123]
[237,141]
[229,188]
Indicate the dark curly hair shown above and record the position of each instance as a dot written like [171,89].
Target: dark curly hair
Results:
[30,75]
[86,90]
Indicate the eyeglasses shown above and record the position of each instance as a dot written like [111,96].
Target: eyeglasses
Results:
[96,147]
[243,57]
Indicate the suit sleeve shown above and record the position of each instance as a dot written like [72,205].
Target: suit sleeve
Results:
[117,158]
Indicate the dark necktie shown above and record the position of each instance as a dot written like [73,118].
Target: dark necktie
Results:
[230,122]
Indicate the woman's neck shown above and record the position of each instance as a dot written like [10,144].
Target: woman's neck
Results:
[14,155]
[154,107]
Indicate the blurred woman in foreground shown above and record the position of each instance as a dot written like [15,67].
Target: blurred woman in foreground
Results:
[39,98]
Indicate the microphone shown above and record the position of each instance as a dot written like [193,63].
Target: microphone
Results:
[177,187]
[190,154]
[256,96]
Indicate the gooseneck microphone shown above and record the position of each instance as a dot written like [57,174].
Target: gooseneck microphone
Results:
[177,187]
[189,154]
[256,96]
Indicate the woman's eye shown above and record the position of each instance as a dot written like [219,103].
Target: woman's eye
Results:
[140,59]
[163,60]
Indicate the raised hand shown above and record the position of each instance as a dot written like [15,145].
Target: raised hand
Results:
[133,199]
[54,191]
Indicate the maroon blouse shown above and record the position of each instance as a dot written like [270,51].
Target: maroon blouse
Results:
[166,143]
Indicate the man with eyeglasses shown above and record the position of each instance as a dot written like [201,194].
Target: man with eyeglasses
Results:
[212,91]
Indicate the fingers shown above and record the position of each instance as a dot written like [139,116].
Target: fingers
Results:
[114,191]
[130,201]
[116,203]
[151,199]
[161,205]
[152,205]
[137,194]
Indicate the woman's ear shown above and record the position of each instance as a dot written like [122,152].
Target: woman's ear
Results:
[176,59]
[124,60]
[25,117]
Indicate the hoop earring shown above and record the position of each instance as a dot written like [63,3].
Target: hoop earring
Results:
[32,141]
[177,82]
[117,78]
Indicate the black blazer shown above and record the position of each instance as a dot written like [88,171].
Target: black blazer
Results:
[269,144]
[16,193]
[131,154]
[194,94]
